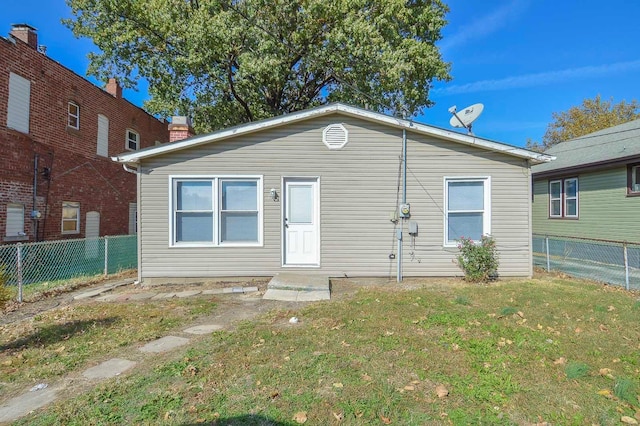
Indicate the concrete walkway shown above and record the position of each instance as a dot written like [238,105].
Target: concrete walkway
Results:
[41,395]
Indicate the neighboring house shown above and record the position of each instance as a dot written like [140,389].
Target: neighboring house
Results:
[57,131]
[318,191]
[592,189]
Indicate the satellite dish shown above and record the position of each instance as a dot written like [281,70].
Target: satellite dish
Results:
[466,117]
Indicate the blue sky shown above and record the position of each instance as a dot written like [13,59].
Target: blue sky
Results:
[523,59]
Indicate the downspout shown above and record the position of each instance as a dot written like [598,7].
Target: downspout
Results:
[136,171]
[35,196]
[404,201]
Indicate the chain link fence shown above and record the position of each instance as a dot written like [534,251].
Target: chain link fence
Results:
[32,263]
[611,262]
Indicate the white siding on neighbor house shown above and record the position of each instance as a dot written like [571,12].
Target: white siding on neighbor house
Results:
[103,136]
[19,102]
[360,187]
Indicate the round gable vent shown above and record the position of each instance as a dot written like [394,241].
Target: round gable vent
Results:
[335,136]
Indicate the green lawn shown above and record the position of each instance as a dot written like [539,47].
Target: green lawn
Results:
[514,352]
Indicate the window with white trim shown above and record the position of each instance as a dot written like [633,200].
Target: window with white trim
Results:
[133,140]
[70,217]
[73,115]
[15,220]
[563,198]
[216,211]
[633,179]
[467,209]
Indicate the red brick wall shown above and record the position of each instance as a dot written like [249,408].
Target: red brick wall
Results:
[77,173]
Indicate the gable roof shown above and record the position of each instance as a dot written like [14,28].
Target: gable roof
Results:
[339,108]
[603,147]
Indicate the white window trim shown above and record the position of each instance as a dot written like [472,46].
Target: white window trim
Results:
[215,182]
[62,221]
[556,199]
[70,115]
[567,198]
[486,217]
[564,198]
[635,177]
[126,140]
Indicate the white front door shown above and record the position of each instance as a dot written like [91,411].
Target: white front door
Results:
[301,222]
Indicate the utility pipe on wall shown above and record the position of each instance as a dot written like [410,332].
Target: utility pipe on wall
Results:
[404,201]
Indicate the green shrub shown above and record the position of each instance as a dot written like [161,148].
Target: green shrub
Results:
[478,260]
[626,390]
[6,293]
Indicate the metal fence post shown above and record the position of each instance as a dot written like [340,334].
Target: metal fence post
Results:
[19,271]
[546,242]
[106,256]
[626,264]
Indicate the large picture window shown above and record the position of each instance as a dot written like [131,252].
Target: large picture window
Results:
[563,198]
[216,211]
[467,209]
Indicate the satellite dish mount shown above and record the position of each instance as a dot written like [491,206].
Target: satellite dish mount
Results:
[466,117]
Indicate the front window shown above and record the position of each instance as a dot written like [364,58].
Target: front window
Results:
[633,179]
[70,217]
[133,140]
[73,116]
[216,211]
[563,198]
[467,209]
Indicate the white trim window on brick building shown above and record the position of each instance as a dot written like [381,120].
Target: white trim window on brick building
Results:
[133,140]
[73,115]
[70,217]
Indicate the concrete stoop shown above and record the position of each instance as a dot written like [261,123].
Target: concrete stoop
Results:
[298,288]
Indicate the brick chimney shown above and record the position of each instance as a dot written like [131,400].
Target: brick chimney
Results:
[26,33]
[114,89]
[180,128]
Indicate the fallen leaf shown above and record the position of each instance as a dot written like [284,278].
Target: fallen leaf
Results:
[605,392]
[539,327]
[338,385]
[441,391]
[345,344]
[611,308]
[409,388]
[560,361]
[628,420]
[603,327]
[605,372]
[60,349]
[385,420]
[455,347]
[300,417]
[339,416]
[578,330]
[520,314]
[366,377]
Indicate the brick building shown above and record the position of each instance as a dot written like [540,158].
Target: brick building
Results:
[57,133]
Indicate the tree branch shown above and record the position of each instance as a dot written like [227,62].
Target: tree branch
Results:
[235,94]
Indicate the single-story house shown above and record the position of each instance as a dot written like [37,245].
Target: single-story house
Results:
[592,189]
[318,191]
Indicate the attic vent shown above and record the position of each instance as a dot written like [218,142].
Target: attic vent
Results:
[335,136]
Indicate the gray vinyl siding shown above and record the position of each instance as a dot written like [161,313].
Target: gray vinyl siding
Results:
[359,189]
[605,210]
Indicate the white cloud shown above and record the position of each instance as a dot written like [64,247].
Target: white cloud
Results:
[484,25]
[538,79]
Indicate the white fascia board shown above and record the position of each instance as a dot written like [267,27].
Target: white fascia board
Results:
[135,157]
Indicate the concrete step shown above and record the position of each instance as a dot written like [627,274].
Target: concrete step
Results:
[298,288]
